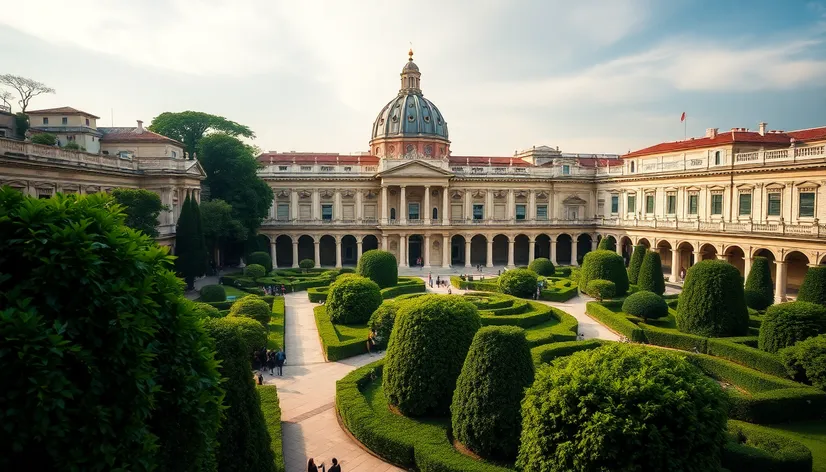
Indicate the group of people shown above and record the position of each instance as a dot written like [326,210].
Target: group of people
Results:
[440,282]
[275,290]
[269,360]
[312,467]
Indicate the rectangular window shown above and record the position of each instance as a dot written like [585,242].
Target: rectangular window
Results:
[806,206]
[692,204]
[717,204]
[542,212]
[282,211]
[327,211]
[45,121]
[745,204]
[478,212]
[649,204]
[282,168]
[305,211]
[632,204]
[327,168]
[456,210]
[566,169]
[671,204]
[614,203]
[520,212]
[412,211]
[774,204]
[369,212]
[64,120]
[44,194]
[306,168]
[348,212]
[87,121]
[348,169]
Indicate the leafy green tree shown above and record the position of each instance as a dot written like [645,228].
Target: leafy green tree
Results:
[519,283]
[189,127]
[27,88]
[806,361]
[22,124]
[787,323]
[647,305]
[636,262]
[650,277]
[605,265]
[813,288]
[142,208]
[380,267]
[220,226]
[712,303]
[352,299]
[542,266]
[261,258]
[46,139]
[608,244]
[189,244]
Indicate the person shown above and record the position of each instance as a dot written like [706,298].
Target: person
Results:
[283,289]
[311,467]
[438,281]
[682,273]
[279,359]
[371,342]
[260,378]
[335,467]
[449,291]
[538,292]
[271,363]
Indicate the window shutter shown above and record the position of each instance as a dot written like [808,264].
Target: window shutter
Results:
[348,212]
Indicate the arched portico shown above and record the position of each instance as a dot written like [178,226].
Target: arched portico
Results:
[349,250]
[284,251]
[667,259]
[684,259]
[521,250]
[368,243]
[457,251]
[583,246]
[327,251]
[736,257]
[564,249]
[797,264]
[500,249]
[306,250]
[707,252]
[542,247]
[478,249]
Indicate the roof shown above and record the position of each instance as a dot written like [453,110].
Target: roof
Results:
[316,158]
[592,162]
[61,111]
[494,161]
[811,134]
[133,134]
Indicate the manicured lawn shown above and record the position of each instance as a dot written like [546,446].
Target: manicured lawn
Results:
[232,291]
[275,336]
[351,332]
[272,416]
[541,333]
[811,434]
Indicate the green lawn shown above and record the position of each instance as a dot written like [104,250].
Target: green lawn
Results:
[232,291]
[541,333]
[275,336]
[351,332]
[811,434]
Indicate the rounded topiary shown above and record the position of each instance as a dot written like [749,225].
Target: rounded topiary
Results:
[205,310]
[606,265]
[352,299]
[426,352]
[616,408]
[382,321]
[380,267]
[255,271]
[712,302]
[252,332]
[813,288]
[806,361]
[486,411]
[518,282]
[646,305]
[651,277]
[261,258]
[542,266]
[253,307]
[601,289]
[759,291]
[608,244]
[306,264]
[213,293]
[636,262]
[787,323]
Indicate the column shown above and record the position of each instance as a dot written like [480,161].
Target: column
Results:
[272,253]
[747,267]
[531,248]
[619,246]
[294,204]
[428,212]
[338,252]
[295,252]
[511,206]
[359,206]
[273,205]
[553,250]
[531,206]
[384,246]
[675,266]
[445,209]
[337,205]
[780,281]
[467,251]
[316,206]
[446,251]
[489,262]
[594,243]
[402,251]
[403,206]
[468,215]
[358,247]
[489,205]
[317,244]
[510,251]
[426,250]
[384,212]
[574,249]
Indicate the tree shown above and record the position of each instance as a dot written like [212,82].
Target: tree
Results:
[759,291]
[650,277]
[261,258]
[601,289]
[6,96]
[74,146]
[46,139]
[189,127]
[519,283]
[142,208]
[607,243]
[542,266]
[22,124]
[189,246]
[813,288]
[220,226]
[606,265]
[26,88]
[647,305]
[352,299]
[252,307]
[806,361]
[636,262]
[787,323]
[712,303]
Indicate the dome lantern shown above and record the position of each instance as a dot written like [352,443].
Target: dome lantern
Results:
[411,77]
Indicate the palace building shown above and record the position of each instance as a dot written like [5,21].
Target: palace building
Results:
[730,195]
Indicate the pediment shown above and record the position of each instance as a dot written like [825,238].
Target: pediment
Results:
[808,184]
[415,168]
[574,200]
[195,168]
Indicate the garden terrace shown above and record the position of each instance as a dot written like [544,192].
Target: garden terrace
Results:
[405,285]
[292,280]
[558,289]
[543,324]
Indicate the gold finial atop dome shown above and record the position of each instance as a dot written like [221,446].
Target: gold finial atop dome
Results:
[410,54]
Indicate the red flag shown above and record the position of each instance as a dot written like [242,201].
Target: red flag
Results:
[682,117]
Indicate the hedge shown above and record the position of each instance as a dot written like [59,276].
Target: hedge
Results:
[646,305]
[333,347]
[601,289]
[607,243]
[213,293]
[306,263]
[272,416]
[787,323]
[712,303]
[382,321]
[806,361]
[275,336]
[636,262]
[741,353]
[605,265]
[548,352]
[407,285]
[353,300]
[518,282]
[255,271]
[261,258]
[753,447]
[380,267]
[559,292]
[205,310]
[252,307]
[813,288]
[251,331]
[615,322]
[542,266]
[759,290]
[651,277]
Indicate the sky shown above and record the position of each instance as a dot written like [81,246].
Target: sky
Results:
[591,76]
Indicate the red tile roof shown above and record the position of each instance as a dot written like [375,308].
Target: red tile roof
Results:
[811,134]
[483,161]
[61,111]
[594,162]
[313,158]
[131,134]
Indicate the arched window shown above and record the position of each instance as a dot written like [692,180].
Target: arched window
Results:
[435,213]
[392,213]
[632,166]
[717,161]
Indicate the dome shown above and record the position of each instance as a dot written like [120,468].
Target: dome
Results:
[410,115]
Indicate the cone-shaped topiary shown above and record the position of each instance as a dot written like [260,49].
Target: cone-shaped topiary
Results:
[607,265]
[253,307]
[636,262]
[519,283]
[352,299]
[427,349]
[261,258]
[190,249]
[608,244]
[651,274]
[813,288]
[646,305]
[759,289]
[787,323]
[542,266]
[712,302]
[616,408]
[380,267]
[486,411]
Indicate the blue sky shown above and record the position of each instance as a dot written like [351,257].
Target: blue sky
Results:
[587,76]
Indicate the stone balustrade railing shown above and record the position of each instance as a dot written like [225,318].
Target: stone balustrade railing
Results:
[777,228]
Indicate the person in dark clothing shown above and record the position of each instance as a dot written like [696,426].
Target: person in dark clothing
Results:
[311,467]
[260,379]
[271,362]
[262,357]
[279,358]
[335,467]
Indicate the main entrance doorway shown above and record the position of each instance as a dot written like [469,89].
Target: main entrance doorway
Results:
[414,249]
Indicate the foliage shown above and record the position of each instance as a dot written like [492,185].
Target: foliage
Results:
[339,341]
[615,408]
[220,226]
[787,323]
[190,247]
[142,208]
[759,288]
[27,88]
[22,124]
[426,351]
[601,289]
[271,409]
[252,333]
[651,277]
[275,336]
[74,146]
[352,300]
[103,364]
[806,361]
[754,447]
[46,139]
[646,305]
[636,262]
[261,258]
[608,244]
[382,320]
[380,267]
[251,307]
[244,441]
[518,282]
[205,310]
[306,264]
[712,302]
[607,265]
[485,413]
[404,286]
[542,266]
[189,127]
[256,271]
[813,288]
[213,293]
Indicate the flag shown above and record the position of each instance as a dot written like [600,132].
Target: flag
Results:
[682,117]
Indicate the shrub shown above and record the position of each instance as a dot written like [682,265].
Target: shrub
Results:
[759,290]
[382,320]
[271,409]
[205,310]
[712,302]
[352,300]
[426,352]
[213,293]
[787,323]
[601,289]
[607,244]
[252,333]
[636,262]
[615,408]
[103,364]
[255,271]
[261,258]
[606,265]
[253,307]
[542,266]
[756,448]
[518,282]
[486,413]
[306,264]
[646,305]
[806,361]
[651,274]
[380,267]
[46,139]
[813,288]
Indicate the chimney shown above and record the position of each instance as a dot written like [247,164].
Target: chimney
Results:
[763,128]
[140,126]
[711,132]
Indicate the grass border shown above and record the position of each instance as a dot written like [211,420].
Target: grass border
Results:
[271,408]
[332,348]
[275,330]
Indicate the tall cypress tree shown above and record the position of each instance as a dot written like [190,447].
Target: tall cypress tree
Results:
[636,262]
[189,244]
[759,287]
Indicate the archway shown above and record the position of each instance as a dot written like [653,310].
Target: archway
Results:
[583,246]
[478,249]
[708,252]
[563,249]
[284,251]
[415,248]
[261,244]
[627,248]
[542,247]
[349,250]
[306,248]
[521,250]
[797,264]
[685,256]
[368,243]
[457,250]
[500,249]
[644,242]
[736,257]
[327,251]
[666,254]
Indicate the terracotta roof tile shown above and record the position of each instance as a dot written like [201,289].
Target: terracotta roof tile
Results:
[593,162]
[131,134]
[62,111]
[811,134]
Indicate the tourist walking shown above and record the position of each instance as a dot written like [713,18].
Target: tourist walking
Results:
[279,358]
[271,362]
[335,467]
[311,467]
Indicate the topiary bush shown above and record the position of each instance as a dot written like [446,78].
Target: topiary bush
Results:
[261,258]
[255,271]
[606,265]
[382,321]
[205,310]
[253,307]
[712,303]
[759,291]
[427,349]
[806,361]
[486,411]
[813,288]
[518,282]
[636,262]
[213,293]
[380,267]
[601,289]
[607,244]
[616,408]
[787,323]
[651,277]
[352,299]
[542,266]
[646,305]
[306,264]
[252,332]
